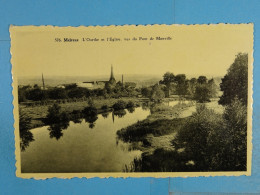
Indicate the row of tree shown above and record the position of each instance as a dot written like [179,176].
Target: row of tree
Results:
[35,93]
[200,89]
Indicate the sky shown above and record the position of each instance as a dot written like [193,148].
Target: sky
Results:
[191,50]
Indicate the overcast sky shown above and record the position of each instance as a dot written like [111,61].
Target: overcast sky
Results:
[193,50]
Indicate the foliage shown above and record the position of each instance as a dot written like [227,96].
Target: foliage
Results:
[104,107]
[202,93]
[168,79]
[26,136]
[235,116]
[57,128]
[212,88]
[130,104]
[35,94]
[192,84]
[57,93]
[90,111]
[22,95]
[139,130]
[91,119]
[202,80]
[157,93]
[119,105]
[146,92]
[235,82]
[55,115]
[90,102]
[213,142]
[120,113]
[24,121]
[206,141]
[77,92]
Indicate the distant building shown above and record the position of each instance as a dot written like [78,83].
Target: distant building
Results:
[98,84]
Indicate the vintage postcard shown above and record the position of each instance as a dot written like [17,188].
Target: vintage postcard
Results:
[132,101]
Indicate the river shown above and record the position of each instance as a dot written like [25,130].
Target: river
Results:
[88,145]
[82,146]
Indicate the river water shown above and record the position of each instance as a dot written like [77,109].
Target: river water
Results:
[82,147]
[88,145]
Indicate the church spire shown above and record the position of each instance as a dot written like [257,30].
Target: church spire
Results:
[112,78]
[112,73]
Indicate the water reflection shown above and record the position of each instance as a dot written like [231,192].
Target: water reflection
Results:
[26,137]
[56,129]
[77,120]
[146,106]
[120,113]
[81,149]
[91,119]
[131,109]
[105,114]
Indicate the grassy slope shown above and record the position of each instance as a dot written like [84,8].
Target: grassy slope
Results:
[158,130]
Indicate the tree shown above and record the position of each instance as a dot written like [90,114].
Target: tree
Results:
[182,85]
[168,79]
[202,80]
[36,94]
[58,93]
[55,115]
[202,93]
[235,115]
[192,84]
[108,87]
[77,92]
[157,93]
[212,88]
[146,92]
[22,93]
[235,82]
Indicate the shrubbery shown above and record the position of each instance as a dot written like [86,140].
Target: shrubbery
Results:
[215,142]
[104,107]
[119,105]
[55,115]
[90,111]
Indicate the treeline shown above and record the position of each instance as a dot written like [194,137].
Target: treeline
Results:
[207,141]
[200,89]
[72,91]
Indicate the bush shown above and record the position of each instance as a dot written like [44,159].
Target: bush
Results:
[235,117]
[90,111]
[104,107]
[119,105]
[58,93]
[55,115]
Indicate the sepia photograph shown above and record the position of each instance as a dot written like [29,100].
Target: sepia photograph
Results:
[132,101]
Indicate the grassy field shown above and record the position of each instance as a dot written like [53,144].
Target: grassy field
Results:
[39,112]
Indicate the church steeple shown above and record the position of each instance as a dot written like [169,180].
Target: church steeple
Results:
[112,78]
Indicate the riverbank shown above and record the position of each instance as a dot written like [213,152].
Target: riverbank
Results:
[38,113]
[159,129]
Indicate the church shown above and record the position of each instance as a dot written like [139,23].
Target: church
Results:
[99,84]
